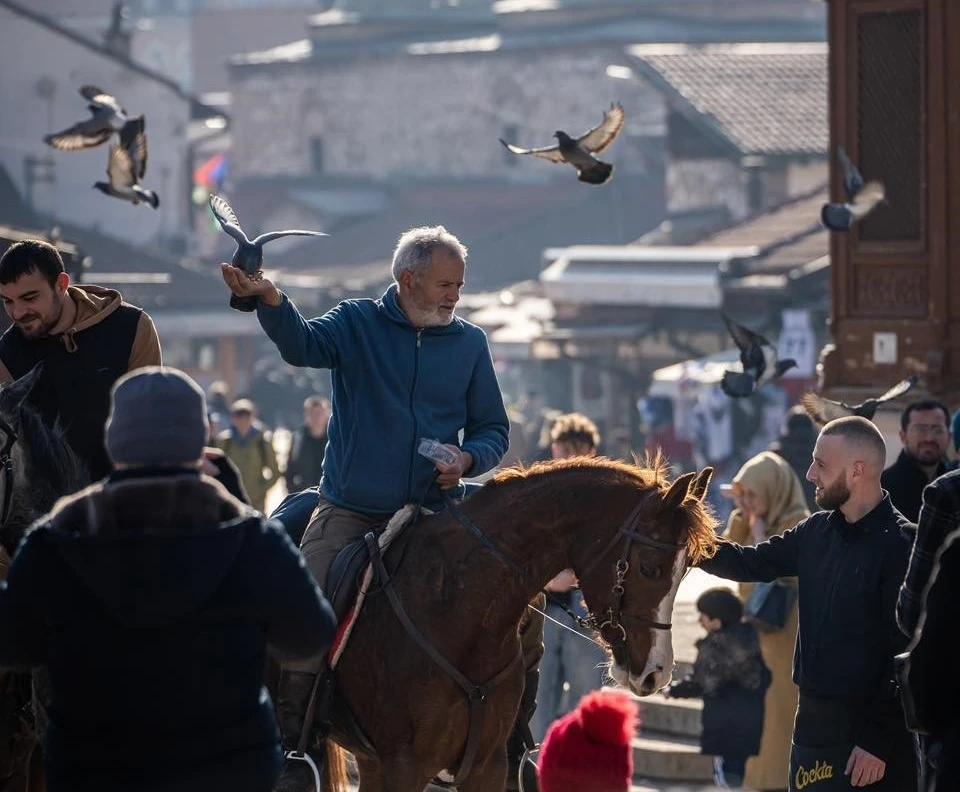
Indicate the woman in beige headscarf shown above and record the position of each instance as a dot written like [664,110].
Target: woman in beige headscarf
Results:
[770,500]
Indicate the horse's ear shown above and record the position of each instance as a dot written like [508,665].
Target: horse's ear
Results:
[13,394]
[677,493]
[700,484]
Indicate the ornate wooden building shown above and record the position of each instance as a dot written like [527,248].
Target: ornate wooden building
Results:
[895,106]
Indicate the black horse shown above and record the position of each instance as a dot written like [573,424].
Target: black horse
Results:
[36,468]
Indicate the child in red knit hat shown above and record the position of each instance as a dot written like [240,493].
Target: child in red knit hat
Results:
[589,749]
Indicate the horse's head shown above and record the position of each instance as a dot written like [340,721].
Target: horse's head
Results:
[630,578]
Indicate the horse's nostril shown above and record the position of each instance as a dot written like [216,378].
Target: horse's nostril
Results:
[649,682]
[659,668]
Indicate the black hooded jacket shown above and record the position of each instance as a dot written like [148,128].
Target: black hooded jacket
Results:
[151,600]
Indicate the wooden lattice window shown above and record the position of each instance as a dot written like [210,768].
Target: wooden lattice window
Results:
[890,120]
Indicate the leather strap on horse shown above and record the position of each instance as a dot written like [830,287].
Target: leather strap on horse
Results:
[476,694]
[481,537]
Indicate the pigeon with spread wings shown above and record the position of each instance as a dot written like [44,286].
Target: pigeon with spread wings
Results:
[107,117]
[249,253]
[862,197]
[759,359]
[127,165]
[580,151]
[822,411]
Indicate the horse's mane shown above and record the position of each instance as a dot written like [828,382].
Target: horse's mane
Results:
[52,460]
[649,472]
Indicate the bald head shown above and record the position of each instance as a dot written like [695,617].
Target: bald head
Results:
[847,462]
[862,439]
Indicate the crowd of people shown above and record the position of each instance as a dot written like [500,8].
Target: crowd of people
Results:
[167,555]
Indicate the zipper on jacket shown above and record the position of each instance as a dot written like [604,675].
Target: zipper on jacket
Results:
[413,414]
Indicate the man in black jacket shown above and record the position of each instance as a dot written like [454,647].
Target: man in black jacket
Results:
[307,445]
[150,598]
[924,434]
[939,518]
[850,561]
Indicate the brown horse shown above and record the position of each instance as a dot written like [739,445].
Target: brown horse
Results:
[627,533]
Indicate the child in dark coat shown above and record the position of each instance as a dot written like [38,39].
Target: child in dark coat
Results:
[730,676]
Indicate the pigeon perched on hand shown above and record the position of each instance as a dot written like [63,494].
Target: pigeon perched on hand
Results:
[126,166]
[822,411]
[579,152]
[862,198]
[759,359]
[107,118]
[249,253]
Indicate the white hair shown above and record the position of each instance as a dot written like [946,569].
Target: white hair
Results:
[414,248]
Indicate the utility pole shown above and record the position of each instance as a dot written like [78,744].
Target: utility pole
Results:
[37,170]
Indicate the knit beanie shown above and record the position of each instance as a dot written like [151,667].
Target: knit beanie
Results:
[589,749]
[158,416]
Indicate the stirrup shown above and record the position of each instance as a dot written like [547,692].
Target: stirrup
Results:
[296,756]
[527,757]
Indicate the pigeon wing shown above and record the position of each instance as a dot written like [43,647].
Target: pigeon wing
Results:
[134,139]
[84,135]
[227,219]
[551,153]
[598,139]
[120,168]
[852,180]
[871,194]
[742,337]
[821,410]
[101,98]
[899,389]
[271,235]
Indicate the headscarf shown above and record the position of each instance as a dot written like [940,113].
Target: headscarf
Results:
[772,478]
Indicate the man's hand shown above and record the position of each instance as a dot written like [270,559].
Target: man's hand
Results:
[244,285]
[450,475]
[864,768]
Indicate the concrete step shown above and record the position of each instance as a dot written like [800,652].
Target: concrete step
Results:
[676,717]
[670,759]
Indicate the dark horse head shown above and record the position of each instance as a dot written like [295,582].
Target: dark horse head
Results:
[36,465]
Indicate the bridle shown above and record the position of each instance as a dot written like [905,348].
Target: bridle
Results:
[6,469]
[610,628]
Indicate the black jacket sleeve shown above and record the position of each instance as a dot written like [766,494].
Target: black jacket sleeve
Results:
[229,475]
[22,626]
[300,621]
[777,557]
[885,720]
[939,516]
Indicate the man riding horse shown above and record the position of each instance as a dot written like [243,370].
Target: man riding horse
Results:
[403,368]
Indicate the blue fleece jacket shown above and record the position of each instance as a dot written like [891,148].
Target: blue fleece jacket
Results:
[392,385]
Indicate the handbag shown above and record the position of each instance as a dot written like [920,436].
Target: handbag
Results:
[769,605]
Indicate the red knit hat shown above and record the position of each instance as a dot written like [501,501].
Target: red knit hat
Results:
[589,750]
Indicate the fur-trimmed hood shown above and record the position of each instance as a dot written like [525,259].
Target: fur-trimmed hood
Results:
[152,546]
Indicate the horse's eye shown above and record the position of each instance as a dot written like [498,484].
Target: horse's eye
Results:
[650,572]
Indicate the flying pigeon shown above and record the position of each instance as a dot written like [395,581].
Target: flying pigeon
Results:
[107,118]
[249,253]
[579,152]
[127,164]
[822,411]
[759,359]
[862,197]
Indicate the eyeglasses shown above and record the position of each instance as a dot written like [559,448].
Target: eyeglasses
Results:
[934,430]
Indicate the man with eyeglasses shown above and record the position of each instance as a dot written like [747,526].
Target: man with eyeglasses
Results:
[924,434]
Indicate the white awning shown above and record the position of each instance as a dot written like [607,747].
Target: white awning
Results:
[693,374]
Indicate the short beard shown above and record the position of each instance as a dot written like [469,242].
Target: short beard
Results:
[834,496]
[44,327]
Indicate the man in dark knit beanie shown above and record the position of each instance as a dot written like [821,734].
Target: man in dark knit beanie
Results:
[151,597]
